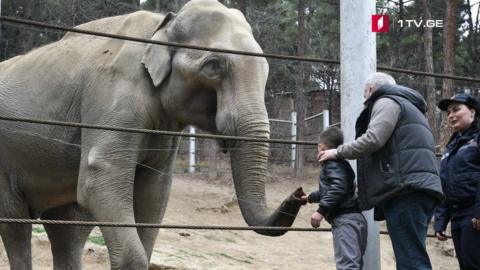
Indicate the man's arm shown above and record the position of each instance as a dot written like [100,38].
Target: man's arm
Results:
[384,118]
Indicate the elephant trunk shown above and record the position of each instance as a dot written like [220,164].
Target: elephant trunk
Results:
[249,164]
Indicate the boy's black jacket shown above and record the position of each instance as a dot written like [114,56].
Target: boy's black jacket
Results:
[336,193]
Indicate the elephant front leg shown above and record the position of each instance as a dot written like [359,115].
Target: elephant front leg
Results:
[67,241]
[105,189]
[152,190]
[16,237]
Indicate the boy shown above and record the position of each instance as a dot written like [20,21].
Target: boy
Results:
[338,205]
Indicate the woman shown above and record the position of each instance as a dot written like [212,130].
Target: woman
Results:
[460,175]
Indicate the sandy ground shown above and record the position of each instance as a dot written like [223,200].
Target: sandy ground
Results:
[197,201]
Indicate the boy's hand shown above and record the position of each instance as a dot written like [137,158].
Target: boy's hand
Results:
[316,219]
[304,199]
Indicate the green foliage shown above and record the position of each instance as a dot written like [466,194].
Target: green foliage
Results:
[97,239]
[275,26]
[163,5]
[38,229]
[234,259]
[402,47]
[17,39]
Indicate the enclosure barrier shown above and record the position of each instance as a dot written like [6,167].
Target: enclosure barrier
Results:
[152,225]
[166,226]
[194,47]
[181,134]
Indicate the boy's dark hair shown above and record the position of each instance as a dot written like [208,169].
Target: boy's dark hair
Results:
[331,137]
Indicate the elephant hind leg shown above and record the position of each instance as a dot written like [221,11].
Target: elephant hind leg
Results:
[16,237]
[67,241]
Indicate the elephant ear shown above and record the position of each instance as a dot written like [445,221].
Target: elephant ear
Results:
[157,58]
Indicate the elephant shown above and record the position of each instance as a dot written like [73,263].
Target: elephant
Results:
[68,173]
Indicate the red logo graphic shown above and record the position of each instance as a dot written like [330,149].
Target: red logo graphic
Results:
[380,23]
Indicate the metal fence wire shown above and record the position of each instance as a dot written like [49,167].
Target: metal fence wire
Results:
[181,134]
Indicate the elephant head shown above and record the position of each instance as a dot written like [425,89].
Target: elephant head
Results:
[221,93]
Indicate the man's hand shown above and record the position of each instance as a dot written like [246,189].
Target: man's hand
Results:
[327,154]
[316,219]
[476,223]
[441,236]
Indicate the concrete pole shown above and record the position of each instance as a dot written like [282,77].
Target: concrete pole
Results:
[357,61]
[0,20]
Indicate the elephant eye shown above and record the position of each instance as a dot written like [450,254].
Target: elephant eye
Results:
[213,68]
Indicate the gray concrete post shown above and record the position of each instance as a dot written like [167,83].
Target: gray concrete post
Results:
[0,20]
[357,60]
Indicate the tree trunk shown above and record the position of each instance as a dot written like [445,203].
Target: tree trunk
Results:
[242,6]
[27,38]
[429,81]
[471,40]
[300,97]
[448,47]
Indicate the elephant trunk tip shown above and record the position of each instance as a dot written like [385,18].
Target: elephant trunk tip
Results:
[285,214]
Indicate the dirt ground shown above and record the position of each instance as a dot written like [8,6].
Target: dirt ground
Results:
[196,201]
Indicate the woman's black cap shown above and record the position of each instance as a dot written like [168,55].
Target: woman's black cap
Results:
[460,98]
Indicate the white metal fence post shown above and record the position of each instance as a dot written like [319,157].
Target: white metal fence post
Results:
[326,119]
[191,152]
[294,137]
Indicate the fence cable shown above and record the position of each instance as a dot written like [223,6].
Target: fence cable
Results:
[150,131]
[167,226]
[181,134]
[194,47]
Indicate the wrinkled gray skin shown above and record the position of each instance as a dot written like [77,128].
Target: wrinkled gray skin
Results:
[57,172]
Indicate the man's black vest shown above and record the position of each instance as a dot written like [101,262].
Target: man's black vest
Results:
[407,161]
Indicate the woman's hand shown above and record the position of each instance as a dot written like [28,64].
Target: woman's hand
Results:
[476,223]
[441,236]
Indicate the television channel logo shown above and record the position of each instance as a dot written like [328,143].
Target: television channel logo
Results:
[380,23]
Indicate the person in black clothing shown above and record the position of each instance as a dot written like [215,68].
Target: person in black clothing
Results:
[460,175]
[338,205]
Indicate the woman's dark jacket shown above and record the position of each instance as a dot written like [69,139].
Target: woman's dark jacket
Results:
[336,193]
[460,175]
